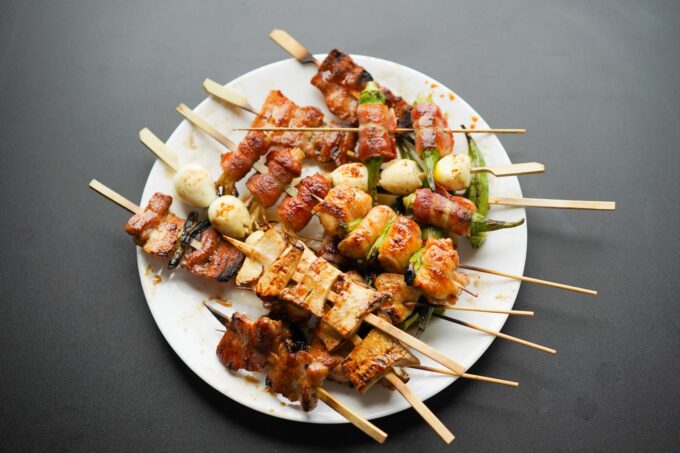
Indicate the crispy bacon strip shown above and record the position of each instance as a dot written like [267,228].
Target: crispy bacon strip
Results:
[283,165]
[377,125]
[431,129]
[157,229]
[340,80]
[296,212]
[453,214]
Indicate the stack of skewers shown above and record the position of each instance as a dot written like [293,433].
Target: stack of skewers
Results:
[349,306]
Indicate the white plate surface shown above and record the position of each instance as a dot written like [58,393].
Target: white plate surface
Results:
[176,302]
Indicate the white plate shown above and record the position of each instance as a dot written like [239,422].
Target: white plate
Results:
[176,302]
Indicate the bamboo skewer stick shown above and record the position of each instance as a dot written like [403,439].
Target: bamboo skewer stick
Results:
[529,279]
[398,130]
[557,204]
[206,127]
[415,402]
[528,168]
[467,375]
[215,89]
[293,47]
[114,196]
[357,420]
[475,309]
[497,334]
[159,148]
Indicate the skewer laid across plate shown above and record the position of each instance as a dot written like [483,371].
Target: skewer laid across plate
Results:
[399,130]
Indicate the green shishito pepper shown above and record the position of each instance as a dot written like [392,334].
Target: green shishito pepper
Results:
[372,94]
[478,192]
[478,223]
[430,157]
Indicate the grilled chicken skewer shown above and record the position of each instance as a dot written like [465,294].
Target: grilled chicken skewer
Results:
[398,130]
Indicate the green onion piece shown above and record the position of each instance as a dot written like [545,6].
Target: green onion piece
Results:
[409,321]
[409,201]
[481,224]
[373,252]
[352,225]
[372,94]
[373,165]
[432,232]
[430,158]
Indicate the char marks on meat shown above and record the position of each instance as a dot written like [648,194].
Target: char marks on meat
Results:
[296,212]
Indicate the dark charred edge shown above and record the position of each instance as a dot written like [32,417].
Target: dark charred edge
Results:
[181,246]
[232,268]
[221,317]
[196,231]
[364,77]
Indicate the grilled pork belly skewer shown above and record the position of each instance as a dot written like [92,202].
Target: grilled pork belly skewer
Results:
[398,130]
[256,345]
[331,146]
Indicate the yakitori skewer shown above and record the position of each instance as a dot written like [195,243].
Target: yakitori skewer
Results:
[399,130]
[497,334]
[360,422]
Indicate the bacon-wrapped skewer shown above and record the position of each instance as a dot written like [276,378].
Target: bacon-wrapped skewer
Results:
[377,125]
[283,166]
[456,215]
[433,139]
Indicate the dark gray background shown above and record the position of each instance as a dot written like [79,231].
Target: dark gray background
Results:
[595,83]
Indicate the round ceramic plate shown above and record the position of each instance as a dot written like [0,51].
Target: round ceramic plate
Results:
[175,298]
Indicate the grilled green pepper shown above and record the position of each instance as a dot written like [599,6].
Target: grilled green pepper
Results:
[478,192]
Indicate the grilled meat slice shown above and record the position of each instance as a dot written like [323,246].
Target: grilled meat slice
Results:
[296,212]
[330,252]
[377,125]
[156,229]
[359,241]
[373,358]
[283,165]
[395,308]
[402,241]
[216,258]
[437,276]
[431,129]
[333,360]
[247,344]
[295,375]
[451,213]
[342,206]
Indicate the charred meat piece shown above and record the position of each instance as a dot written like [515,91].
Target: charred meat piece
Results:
[342,206]
[402,241]
[359,241]
[377,125]
[340,80]
[247,344]
[437,276]
[156,229]
[295,375]
[333,360]
[283,166]
[215,259]
[451,213]
[395,308]
[373,358]
[330,252]
[296,212]
[235,165]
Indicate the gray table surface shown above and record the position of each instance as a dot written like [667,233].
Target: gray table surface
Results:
[83,366]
